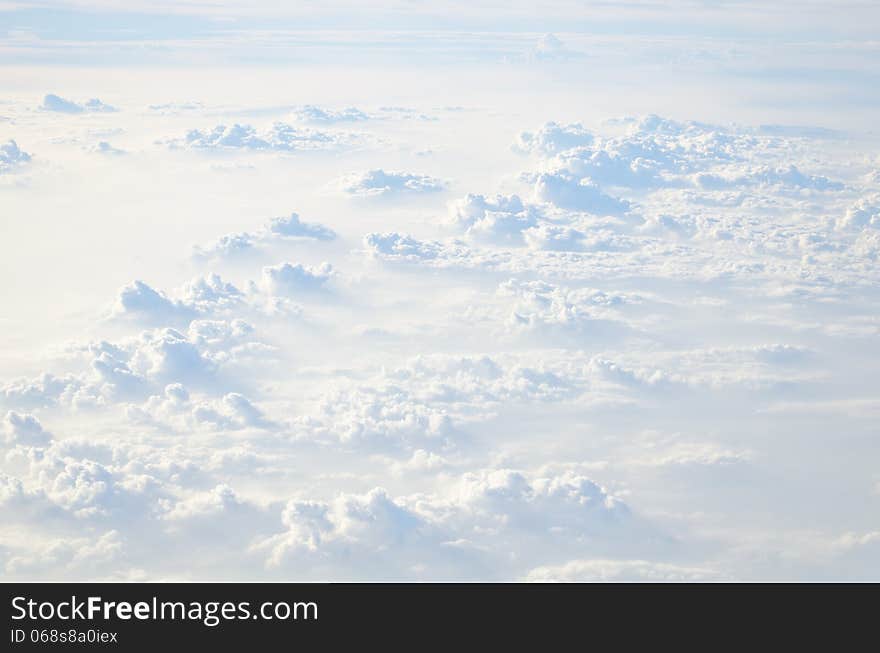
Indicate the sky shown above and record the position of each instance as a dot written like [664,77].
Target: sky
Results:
[439,291]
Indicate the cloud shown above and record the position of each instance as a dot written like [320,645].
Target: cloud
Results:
[568,192]
[615,571]
[427,402]
[137,298]
[864,213]
[499,220]
[551,48]
[292,227]
[379,183]
[279,137]
[319,115]
[287,279]
[176,409]
[587,311]
[397,246]
[24,429]
[226,246]
[134,368]
[42,391]
[59,105]
[12,157]
[768,176]
[276,230]
[200,296]
[103,147]
[552,138]
[380,536]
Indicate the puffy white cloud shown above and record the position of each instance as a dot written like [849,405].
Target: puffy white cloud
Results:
[325,116]
[291,279]
[553,138]
[767,176]
[138,298]
[103,147]
[24,429]
[175,409]
[499,220]
[226,246]
[81,557]
[397,246]
[200,296]
[58,104]
[279,137]
[377,535]
[292,227]
[615,571]
[863,213]
[541,305]
[12,157]
[569,192]
[551,48]
[44,390]
[379,183]
[276,230]
[427,402]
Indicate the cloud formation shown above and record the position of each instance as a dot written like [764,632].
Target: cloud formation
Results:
[276,230]
[279,137]
[58,104]
[379,183]
[12,157]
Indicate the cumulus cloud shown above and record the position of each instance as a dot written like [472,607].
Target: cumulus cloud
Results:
[24,429]
[58,104]
[12,157]
[325,116]
[499,220]
[615,571]
[569,192]
[397,246]
[864,213]
[200,296]
[552,138]
[768,176]
[276,230]
[103,147]
[176,409]
[551,48]
[379,183]
[279,137]
[426,402]
[293,278]
[449,536]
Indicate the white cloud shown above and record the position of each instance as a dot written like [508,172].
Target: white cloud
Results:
[12,157]
[451,535]
[616,571]
[279,137]
[201,296]
[276,230]
[499,220]
[60,105]
[379,183]
[324,116]
[568,192]
[291,279]
[24,429]
[103,147]
[864,213]
[552,138]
